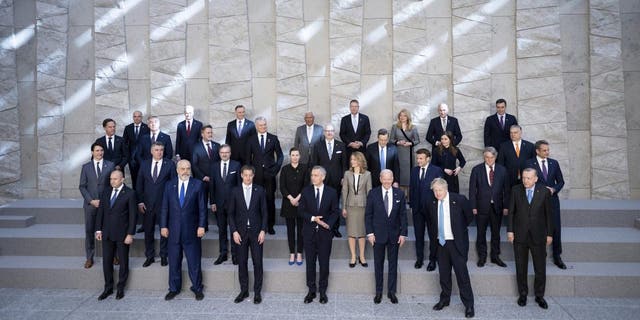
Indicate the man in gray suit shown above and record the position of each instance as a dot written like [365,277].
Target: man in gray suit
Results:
[94,177]
[306,136]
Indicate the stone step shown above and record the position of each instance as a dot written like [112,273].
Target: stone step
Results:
[581,279]
[579,244]
[637,223]
[16,221]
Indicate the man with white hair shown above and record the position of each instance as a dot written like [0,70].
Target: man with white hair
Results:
[187,134]
[441,124]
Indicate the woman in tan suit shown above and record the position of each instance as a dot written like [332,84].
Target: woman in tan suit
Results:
[355,187]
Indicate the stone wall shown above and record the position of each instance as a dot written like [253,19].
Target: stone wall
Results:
[569,69]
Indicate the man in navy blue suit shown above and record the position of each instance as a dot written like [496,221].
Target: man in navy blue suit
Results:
[154,174]
[441,124]
[355,129]
[247,210]
[453,216]
[496,126]
[115,149]
[182,220]
[132,134]
[318,207]
[514,154]
[187,134]
[420,196]
[225,176]
[550,176]
[386,226]
[239,130]
[489,191]
[154,135]
[390,161]
[203,155]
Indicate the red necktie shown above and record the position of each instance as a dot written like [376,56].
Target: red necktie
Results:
[209,149]
[491,175]
[188,128]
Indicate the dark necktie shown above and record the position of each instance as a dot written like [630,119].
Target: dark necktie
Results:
[153,138]
[114,197]
[98,171]
[544,170]
[188,128]
[224,171]
[386,203]
[422,174]
[491,175]
[209,151]
[182,194]
[318,198]
[502,122]
[155,172]
[262,142]
[239,129]
[110,144]
[136,131]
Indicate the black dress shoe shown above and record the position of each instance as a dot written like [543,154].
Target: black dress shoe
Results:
[140,230]
[220,260]
[164,262]
[469,312]
[418,264]
[559,263]
[522,301]
[337,233]
[119,295]
[498,262]
[441,304]
[481,263]
[199,295]
[105,294]
[170,295]
[309,297]
[378,298]
[234,260]
[257,298]
[148,262]
[272,231]
[243,295]
[392,297]
[323,298]
[431,266]
[542,303]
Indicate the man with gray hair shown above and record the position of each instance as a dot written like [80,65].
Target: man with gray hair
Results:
[187,134]
[307,135]
[441,124]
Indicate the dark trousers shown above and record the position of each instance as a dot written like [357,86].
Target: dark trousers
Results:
[432,234]
[449,257]
[250,240]
[222,217]
[294,234]
[317,246]
[269,184]
[538,255]
[193,251]
[338,188]
[557,227]
[90,213]
[391,248]
[149,222]
[494,220]
[419,223]
[134,168]
[108,249]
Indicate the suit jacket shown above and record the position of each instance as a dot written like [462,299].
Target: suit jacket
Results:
[183,221]
[481,193]
[145,146]
[554,174]
[335,166]
[133,142]
[200,161]
[352,197]
[535,218]
[301,142]
[434,132]
[91,186]
[151,192]
[494,134]
[514,164]
[373,162]
[420,193]
[239,214]
[220,189]
[387,229]
[268,161]
[461,216]
[120,220]
[120,153]
[184,142]
[329,210]
[347,135]
[238,143]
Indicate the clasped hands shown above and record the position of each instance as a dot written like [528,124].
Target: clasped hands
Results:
[511,237]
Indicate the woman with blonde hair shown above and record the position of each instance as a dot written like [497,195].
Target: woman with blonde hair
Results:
[405,136]
[355,188]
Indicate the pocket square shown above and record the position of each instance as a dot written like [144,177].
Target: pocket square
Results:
[397,201]
[232,172]
[338,151]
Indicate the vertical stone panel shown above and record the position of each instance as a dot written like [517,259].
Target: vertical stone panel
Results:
[631,65]
[317,56]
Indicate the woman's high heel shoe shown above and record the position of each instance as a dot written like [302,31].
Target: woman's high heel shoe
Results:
[352,264]
[364,264]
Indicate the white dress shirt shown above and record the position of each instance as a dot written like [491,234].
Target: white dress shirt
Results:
[390,195]
[448,232]
[186,186]
[315,188]
[153,164]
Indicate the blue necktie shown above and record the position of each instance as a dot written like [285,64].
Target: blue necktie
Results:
[182,194]
[113,198]
[529,195]
[441,223]
[383,160]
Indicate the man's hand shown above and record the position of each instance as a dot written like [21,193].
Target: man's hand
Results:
[118,168]
[206,179]
[200,232]
[95,203]
[164,232]
[549,240]
[142,208]
[99,235]
[344,213]
[505,212]
[552,190]
[321,223]
[396,185]
[510,236]
[236,238]
[475,211]
[372,239]
[401,240]
[214,208]
[261,237]
[128,239]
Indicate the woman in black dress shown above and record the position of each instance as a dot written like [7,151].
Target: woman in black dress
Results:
[293,178]
[445,156]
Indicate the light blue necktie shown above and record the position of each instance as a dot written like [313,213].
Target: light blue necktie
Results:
[181,194]
[529,195]
[441,223]
[113,198]
[383,159]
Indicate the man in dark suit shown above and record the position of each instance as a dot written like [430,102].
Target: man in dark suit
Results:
[132,134]
[204,154]
[187,134]
[420,197]
[452,213]
[307,135]
[239,131]
[496,127]
[154,135]
[115,150]
[115,227]
[94,178]
[318,207]
[515,153]
[355,129]
[530,229]
[225,176]
[551,176]
[182,220]
[331,154]
[247,210]
[441,124]
[381,155]
[265,155]
[154,174]
[386,226]
[489,191]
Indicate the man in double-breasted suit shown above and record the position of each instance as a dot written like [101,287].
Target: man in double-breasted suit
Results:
[154,135]
[115,149]
[514,154]
[132,134]
[385,219]
[318,207]
[489,192]
[390,161]
[247,210]
[187,134]
[239,130]
[441,124]
[530,229]
[307,135]
[94,179]
[115,227]
[182,220]
[355,129]
[496,126]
